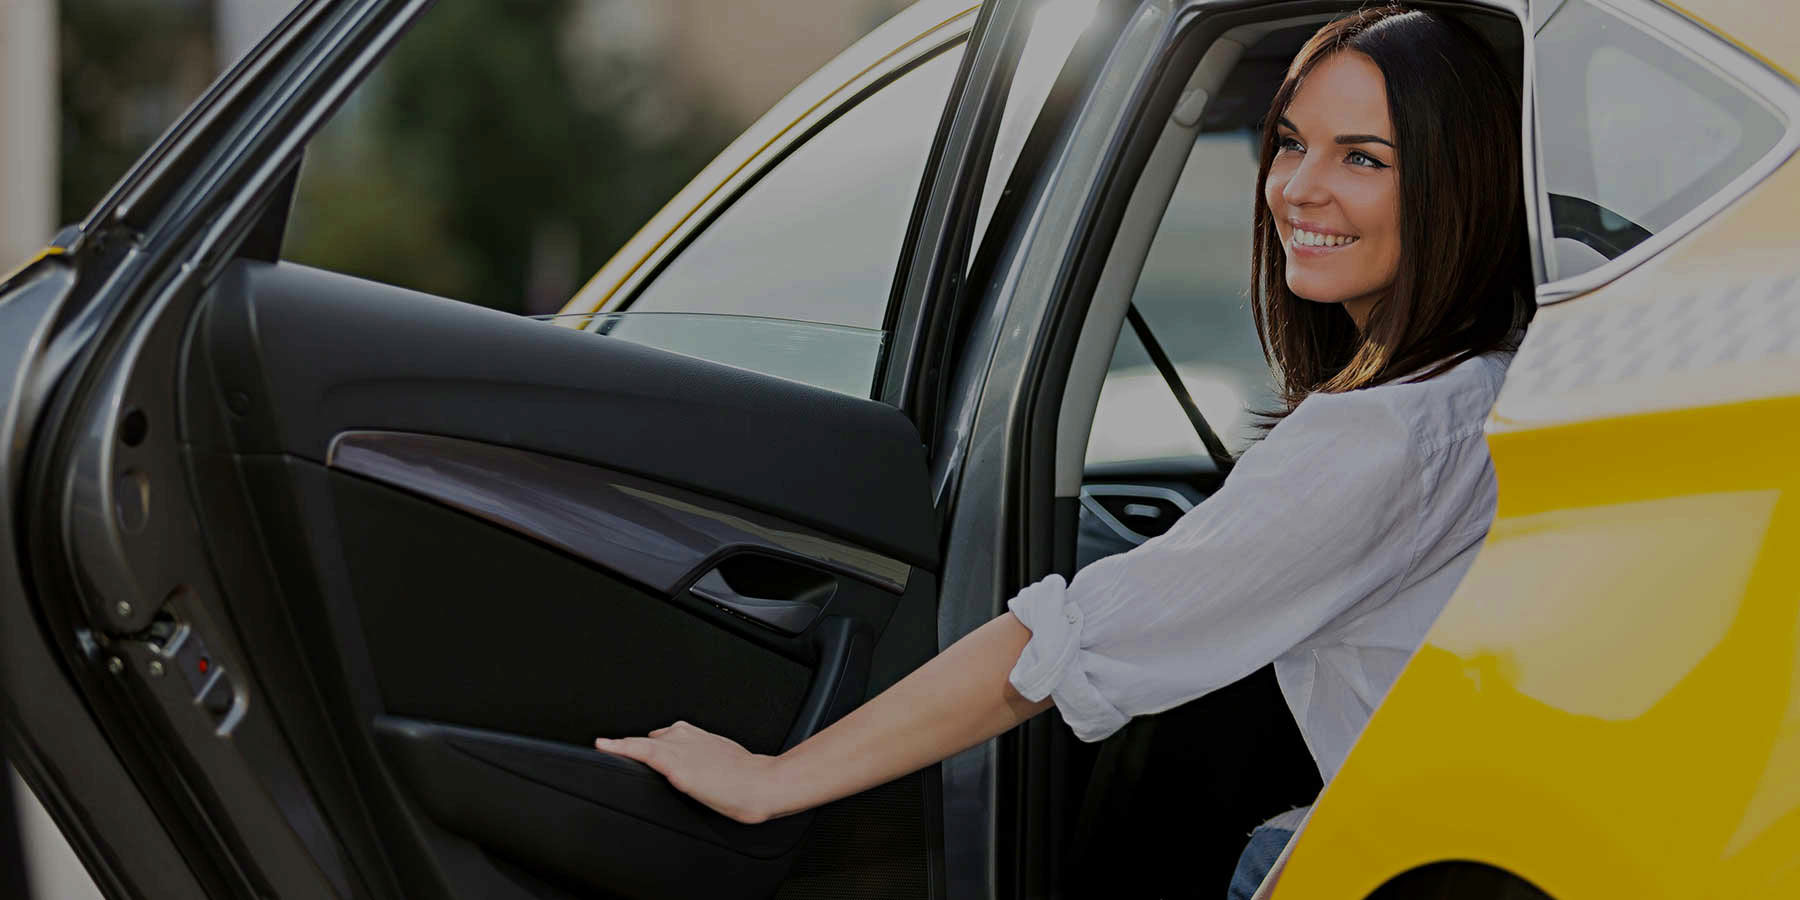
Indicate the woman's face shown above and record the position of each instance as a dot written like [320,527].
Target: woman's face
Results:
[1333,186]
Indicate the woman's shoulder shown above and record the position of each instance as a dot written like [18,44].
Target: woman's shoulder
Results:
[1426,413]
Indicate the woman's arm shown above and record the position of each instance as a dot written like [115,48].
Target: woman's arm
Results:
[957,700]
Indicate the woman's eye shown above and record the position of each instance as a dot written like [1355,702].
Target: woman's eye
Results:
[1359,158]
[1289,143]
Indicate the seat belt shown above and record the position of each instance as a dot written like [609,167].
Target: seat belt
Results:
[1215,448]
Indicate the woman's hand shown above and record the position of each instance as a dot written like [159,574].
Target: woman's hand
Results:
[714,770]
[957,700]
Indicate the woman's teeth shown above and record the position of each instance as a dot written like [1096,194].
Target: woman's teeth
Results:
[1304,238]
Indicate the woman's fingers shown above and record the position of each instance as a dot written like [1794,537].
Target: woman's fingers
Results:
[713,769]
[645,750]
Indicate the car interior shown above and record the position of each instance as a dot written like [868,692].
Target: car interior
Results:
[1164,805]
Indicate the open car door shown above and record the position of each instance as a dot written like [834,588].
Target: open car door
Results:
[314,586]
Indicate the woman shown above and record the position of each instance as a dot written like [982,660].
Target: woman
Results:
[1390,283]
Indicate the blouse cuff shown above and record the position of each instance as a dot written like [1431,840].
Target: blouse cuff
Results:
[1050,665]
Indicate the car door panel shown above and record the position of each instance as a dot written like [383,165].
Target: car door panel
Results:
[471,627]
[337,354]
[512,537]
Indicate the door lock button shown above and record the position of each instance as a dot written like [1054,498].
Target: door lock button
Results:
[191,658]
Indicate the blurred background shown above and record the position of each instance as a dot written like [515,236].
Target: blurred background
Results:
[499,157]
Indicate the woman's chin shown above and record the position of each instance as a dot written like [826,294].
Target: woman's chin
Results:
[1316,293]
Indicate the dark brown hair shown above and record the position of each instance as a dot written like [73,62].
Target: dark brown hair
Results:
[1464,282]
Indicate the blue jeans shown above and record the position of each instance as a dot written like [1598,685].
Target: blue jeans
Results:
[1258,858]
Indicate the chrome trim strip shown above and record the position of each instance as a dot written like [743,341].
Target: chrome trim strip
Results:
[651,533]
[1729,62]
[1147,492]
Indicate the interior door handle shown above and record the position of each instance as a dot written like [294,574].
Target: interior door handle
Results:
[781,595]
[791,597]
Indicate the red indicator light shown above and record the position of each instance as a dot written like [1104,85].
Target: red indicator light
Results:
[204,665]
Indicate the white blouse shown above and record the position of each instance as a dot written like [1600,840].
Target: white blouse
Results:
[1329,550]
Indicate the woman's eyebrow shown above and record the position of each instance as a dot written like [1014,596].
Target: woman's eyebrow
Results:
[1363,139]
[1285,122]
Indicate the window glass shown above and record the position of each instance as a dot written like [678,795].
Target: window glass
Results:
[834,357]
[818,238]
[1634,133]
[1056,27]
[1194,294]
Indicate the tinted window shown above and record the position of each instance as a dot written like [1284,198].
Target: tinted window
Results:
[818,237]
[1634,133]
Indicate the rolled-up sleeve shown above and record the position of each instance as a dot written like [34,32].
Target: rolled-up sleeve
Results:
[1317,518]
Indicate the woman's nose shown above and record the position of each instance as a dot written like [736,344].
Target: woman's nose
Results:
[1305,187]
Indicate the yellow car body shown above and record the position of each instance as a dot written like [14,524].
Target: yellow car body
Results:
[1609,707]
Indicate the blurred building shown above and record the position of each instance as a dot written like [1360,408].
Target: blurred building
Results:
[239,24]
[741,57]
[735,58]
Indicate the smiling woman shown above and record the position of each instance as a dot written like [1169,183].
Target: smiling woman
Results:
[1339,536]
[1387,178]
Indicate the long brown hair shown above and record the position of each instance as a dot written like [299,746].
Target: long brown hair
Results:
[1464,283]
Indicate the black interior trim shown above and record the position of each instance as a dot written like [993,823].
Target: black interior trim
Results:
[652,534]
[580,772]
[266,234]
[843,675]
[608,824]
[471,625]
[309,354]
[1602,230]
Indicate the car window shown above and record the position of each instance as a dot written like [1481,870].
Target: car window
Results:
[1057,25]
[1194,294]
[835,357]
[1634,133]
[817,238]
